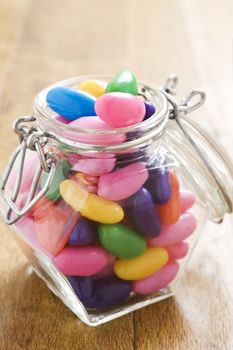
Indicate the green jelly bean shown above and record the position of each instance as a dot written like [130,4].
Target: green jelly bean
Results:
[124,81]
[60,175]
[121,241]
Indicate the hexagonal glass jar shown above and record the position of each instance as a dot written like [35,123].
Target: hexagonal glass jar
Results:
[116,227]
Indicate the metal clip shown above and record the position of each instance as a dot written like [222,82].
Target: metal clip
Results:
[170,84]
[34,139]
[194,100]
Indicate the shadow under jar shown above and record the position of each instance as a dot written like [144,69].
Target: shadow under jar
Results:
[118,221]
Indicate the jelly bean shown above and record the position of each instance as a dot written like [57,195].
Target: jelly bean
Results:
[69,103]
[121,241]
[178,251]
[140,208]
[81,261]
[108,270]
[169,213]
[95,166]
[90,205]
[187,200]
[31,163]
[124,81]
[119,109]
[73,194]
[123,183]
[53,225]
[81,179]
[91,179]
[132,156]
[61,173]
[62,120]
[159,182]
[93,87]
[92,189]
[173,234]
[142,266]
[109,291]
[82,286]
[158,280]
[95,123]
[83,233]
[150,110]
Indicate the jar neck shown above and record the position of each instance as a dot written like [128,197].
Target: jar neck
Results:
[135,136]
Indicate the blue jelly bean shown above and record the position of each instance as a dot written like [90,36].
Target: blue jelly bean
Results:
[83,287]
[70,103]
[158,182]
[108,292]
[141,210]
[150,109]
[83,233]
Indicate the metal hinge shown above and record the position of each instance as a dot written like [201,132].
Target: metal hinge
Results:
[31,137]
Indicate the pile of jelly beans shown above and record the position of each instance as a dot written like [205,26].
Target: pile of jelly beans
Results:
[115,230]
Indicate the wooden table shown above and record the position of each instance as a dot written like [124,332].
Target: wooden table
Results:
[44,41]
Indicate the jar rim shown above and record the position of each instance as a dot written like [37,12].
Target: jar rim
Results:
[153,127]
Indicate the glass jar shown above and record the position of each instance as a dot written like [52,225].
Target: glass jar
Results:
[109,218]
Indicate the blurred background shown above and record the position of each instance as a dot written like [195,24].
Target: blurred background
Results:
[44,41]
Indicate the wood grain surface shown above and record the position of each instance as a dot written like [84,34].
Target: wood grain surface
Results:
[45,41]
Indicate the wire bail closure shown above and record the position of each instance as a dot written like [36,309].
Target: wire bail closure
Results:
[194,100]
[30,137]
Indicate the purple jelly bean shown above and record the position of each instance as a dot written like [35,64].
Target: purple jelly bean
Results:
[141,210]
[83,287]
[158,182]
[83,233]
[150,109]
[109,291]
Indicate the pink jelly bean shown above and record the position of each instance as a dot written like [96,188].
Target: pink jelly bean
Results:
[81,261]
[158,280]
[92,179]
[95,166]
[62,119]
[95,123]
[123,183]
[173,234]
[187,200]
[108,270]
[92,189]
[120,109]
[178,251]
[30,165]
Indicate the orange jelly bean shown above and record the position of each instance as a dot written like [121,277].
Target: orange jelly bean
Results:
[169,213]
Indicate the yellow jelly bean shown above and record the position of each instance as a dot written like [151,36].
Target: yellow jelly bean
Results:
[90,205]
[102,210]
[152,260]
[73,194]
[93,87]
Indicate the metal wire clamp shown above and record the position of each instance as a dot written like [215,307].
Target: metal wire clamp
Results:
[30,137]
[193,101]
